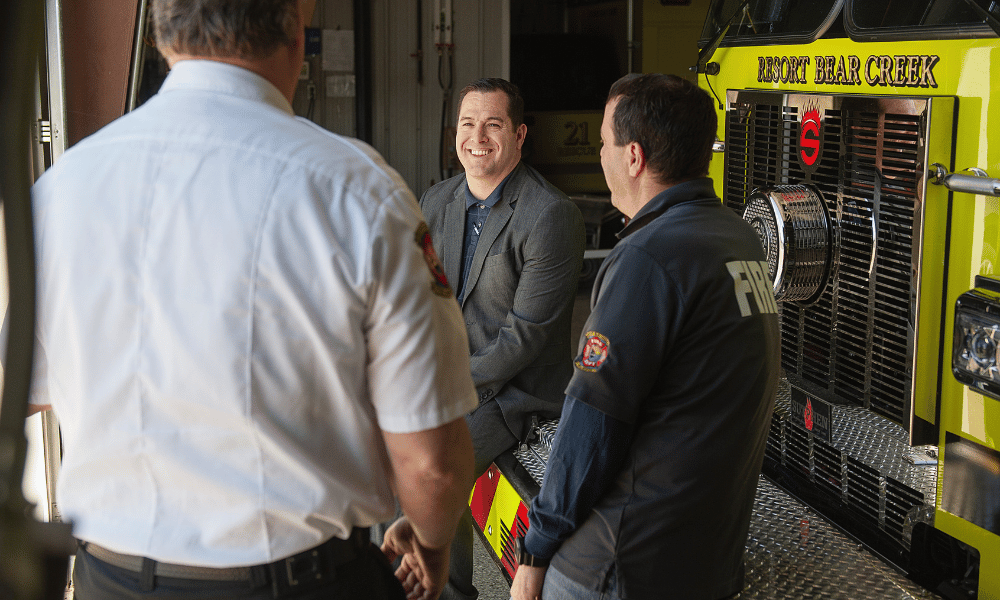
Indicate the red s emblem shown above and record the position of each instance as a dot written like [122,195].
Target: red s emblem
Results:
[808,414]
[809,137]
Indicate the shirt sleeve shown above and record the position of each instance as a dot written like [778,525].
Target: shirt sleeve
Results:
[634,321]
[587,453]
[415,332]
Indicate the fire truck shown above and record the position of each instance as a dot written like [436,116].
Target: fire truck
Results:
[856,136]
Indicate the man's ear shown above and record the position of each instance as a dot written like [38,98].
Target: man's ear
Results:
[636,159]
[520,134]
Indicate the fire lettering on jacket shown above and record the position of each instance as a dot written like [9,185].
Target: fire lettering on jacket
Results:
[752,282]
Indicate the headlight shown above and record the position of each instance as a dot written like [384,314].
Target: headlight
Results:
[974,360]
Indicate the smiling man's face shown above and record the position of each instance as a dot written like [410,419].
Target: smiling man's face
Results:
[488,144]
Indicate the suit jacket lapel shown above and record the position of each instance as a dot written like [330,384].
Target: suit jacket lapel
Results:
[454,237]
[495,223]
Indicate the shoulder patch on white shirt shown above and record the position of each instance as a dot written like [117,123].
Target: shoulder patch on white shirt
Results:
[595,352]
[439,283]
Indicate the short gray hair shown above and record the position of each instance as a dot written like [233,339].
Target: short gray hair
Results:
[224,28]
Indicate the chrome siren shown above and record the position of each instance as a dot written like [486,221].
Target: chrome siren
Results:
[794,230]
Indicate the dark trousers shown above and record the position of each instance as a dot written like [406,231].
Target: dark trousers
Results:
[367,576]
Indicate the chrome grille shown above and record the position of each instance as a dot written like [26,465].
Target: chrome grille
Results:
[853,344]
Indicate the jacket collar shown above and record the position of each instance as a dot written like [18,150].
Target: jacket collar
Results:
[686,191]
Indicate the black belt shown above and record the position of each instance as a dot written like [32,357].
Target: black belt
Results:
[310,568]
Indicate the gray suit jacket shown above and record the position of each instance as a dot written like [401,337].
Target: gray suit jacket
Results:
[520,290]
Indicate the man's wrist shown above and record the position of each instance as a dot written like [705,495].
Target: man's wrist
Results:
[526,558]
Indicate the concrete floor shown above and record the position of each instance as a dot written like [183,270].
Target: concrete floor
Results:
[486,576]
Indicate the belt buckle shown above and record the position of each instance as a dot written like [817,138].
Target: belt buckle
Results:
[303,568]
[306,569]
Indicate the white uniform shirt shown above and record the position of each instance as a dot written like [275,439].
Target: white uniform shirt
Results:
[232,301]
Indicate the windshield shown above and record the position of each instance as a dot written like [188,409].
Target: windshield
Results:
[771,21]
[767,22]
[872,20]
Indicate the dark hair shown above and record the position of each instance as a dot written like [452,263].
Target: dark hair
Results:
[671,119]
[515,103]
[225,28]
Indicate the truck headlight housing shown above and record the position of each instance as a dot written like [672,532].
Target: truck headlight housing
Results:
[975,360]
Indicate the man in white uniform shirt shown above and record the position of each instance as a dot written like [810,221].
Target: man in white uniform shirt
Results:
[247,338]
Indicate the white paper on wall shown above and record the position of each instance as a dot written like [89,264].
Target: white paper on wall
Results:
[338,50]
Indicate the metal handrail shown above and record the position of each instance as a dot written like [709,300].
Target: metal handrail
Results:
[979,183]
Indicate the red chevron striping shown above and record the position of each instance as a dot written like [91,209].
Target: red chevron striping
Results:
[482,495]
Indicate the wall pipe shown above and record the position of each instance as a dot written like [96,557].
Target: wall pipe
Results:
[138,62]
[363,69]
[630,35]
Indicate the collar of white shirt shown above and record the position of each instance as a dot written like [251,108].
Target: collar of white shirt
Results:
[223,78]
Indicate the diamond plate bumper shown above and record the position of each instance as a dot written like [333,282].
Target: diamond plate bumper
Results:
[792,551]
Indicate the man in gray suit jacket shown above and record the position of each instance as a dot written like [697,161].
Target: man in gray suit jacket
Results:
[511,246]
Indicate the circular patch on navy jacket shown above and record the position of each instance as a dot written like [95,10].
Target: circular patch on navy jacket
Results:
[439,282]
[595,352]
